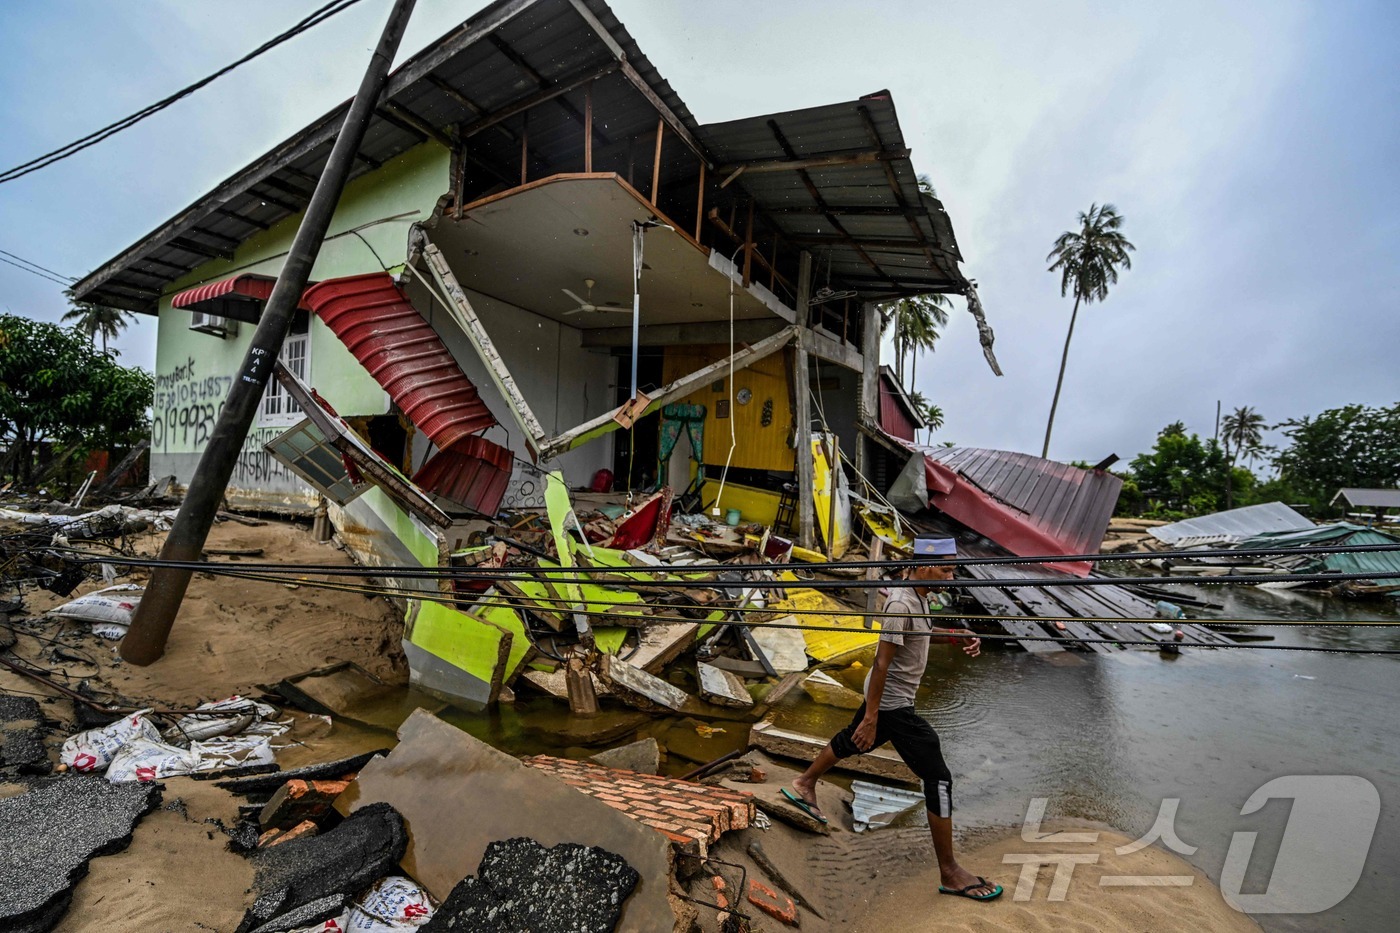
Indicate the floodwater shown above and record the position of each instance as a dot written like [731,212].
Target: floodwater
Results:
[1110,737]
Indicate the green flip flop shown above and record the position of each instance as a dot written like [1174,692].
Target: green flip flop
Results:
[805,807]
[966,892]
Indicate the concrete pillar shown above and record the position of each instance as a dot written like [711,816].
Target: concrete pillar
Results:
[802,411]
[868,409]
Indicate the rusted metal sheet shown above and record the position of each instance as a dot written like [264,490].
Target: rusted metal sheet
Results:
[473,472]
[897,417]
[376,322]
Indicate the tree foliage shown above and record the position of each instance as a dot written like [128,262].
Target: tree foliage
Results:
[98,321]
[917,324]
[1349,446]
[1182,476]
[55,386]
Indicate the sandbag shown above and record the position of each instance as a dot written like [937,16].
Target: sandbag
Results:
[109,610]
[94,749]
[391,905]
[145,760]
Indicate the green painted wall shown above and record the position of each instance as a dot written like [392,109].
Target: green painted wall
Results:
[194,370]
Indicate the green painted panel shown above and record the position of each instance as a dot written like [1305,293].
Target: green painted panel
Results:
[460,640]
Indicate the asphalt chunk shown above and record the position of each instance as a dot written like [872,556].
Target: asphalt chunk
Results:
[367,846]
[523,887]
[22,731]
[268,783]
[52,832]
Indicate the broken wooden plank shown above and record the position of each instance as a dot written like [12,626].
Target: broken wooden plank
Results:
[881,762]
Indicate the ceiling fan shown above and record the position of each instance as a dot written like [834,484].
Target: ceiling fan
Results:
[588,305]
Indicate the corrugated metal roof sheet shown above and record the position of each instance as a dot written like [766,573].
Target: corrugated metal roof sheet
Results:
[473,472]
[867,221]
[1370,498]
[1028,505]
[1339,534]
[1233,525]
[258,287]
[376,322]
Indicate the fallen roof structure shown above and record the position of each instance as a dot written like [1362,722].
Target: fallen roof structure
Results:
[1368,498]
[1231,526]
[1028,505]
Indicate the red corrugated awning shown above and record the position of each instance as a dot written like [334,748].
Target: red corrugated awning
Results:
[376,322]
[257,287]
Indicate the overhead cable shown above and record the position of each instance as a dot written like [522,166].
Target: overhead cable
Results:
[315,18]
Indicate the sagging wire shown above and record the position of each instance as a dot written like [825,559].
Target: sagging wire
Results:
[891,564]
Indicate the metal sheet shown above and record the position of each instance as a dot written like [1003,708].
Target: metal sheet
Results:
[393,342]
[1370,498]
[473,472]
[1233,525]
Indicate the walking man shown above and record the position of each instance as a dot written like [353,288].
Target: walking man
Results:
[888,715]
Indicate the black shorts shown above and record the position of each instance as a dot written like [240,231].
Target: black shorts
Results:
[916,742]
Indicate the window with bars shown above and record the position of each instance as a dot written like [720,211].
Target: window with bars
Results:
[277,406]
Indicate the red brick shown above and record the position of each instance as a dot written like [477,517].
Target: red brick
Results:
[778,906]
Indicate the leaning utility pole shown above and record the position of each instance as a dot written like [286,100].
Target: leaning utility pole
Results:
[150,627]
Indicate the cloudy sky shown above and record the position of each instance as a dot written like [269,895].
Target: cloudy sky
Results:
[1253,148]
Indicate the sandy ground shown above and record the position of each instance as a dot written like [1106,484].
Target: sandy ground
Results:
[885,880]
[231,635]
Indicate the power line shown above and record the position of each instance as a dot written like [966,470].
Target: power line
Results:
[42,275]
[28,262]
[320,15]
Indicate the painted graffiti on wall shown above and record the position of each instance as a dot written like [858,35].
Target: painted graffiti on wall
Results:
[186,407]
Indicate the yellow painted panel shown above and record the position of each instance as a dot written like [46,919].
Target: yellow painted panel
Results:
[829,646]
[755,505]
[758,447]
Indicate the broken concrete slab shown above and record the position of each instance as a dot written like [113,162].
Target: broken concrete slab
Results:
[722,688]
[555,683]
[636,687]
[643,756]
[22,731]
[458,795]
[51,832]
[785,647]
[660,644]
[368,845]
[827,690]
[785,743]
[523,886]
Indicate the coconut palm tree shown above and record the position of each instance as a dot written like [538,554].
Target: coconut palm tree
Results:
[931,414]
[1088,260]
[97,320]
[1242,431]
[916,323]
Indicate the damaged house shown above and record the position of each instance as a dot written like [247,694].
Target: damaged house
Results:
[545,272]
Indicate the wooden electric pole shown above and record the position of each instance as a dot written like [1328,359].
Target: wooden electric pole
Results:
[155,615]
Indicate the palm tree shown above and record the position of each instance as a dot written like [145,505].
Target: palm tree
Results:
[97,320]
[1088,261]
[1242,432]
[916,322]
[931,414]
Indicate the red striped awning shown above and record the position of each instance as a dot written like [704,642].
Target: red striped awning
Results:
[257,287]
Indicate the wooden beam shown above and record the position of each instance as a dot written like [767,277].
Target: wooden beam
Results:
[680,388]
[854,210]
[404,118]
[700,203]
[893,182]
[868,408]
[588,127]
[199,249]
[820,345]
[692,333]
[241,218]
[794,164]
[546,93]
[802,410]
[748,247]
[733,235]
[656,162]
[169,265]
[228,241]
[870,242]
[524,148]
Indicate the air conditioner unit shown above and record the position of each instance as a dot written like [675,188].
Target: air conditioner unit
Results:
[213,324]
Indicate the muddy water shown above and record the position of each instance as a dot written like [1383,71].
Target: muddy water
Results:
[1108,738]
